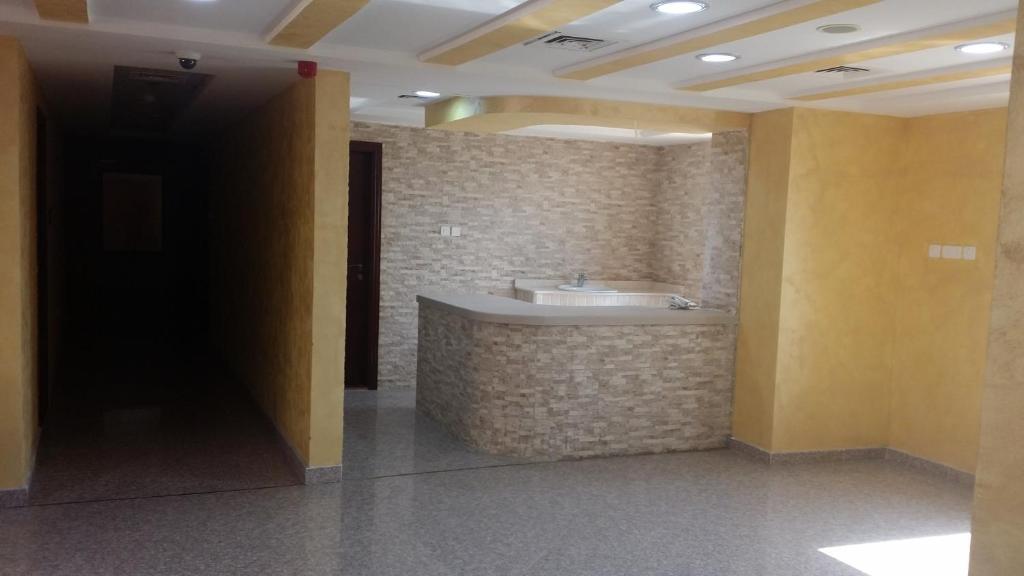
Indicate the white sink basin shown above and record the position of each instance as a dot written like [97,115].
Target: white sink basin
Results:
[592,289]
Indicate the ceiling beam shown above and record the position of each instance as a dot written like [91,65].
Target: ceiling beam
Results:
[865,51]
[1003,69]
[76,11]
[310,20]
[754,23]
[524,22]
[494,114]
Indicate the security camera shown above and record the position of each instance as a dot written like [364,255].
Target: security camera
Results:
[188,60]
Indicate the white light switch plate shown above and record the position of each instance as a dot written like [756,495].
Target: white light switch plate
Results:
[953,252]
[935,251]
[446,230]
[970,252]
[456,231]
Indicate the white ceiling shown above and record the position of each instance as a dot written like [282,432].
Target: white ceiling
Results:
[379,46]
[412,26]
[622,135]
[237,16]
[886,18]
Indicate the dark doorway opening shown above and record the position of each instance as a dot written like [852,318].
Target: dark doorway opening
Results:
[142,404]
[135,391]
[42,270]
[363,303]
[137,274]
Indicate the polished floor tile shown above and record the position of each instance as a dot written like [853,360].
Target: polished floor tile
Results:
[385,436]
[206,436]
[714,514]
[399,512]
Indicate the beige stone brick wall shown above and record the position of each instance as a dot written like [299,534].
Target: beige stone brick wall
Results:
[545,208]
[576,391]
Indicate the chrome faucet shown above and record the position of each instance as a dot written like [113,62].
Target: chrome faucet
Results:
[581,279]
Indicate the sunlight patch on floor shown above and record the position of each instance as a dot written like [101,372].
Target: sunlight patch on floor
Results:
[932,556]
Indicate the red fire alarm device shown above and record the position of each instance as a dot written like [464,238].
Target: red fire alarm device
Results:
[307,69]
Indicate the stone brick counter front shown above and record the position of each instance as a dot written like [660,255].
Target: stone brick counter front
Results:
[568,391]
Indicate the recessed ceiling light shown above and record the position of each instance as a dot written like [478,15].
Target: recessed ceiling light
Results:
[839,28]
[678,7]
[427,94]
[717,58]
[982,47]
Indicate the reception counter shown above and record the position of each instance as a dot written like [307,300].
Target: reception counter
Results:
[516,378]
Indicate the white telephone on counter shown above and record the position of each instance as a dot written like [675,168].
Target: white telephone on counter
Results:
[677,302]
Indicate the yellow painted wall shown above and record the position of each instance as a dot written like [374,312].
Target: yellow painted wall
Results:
[18,425]
[279,250]
[330,269]
[761,282]
[876,345]
[954,174]
[838,271]
[998,529]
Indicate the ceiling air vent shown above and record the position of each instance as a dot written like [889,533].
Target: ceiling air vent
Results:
[842,70]
[154,76]
[572,43]
[839,29]
[145,101]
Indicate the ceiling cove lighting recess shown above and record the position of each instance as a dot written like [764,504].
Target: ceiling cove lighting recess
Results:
[677,7]
[982,47]
[427,94]
[717,58]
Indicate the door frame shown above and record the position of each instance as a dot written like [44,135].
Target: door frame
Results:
[376,151]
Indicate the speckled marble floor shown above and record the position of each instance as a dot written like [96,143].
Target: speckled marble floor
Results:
[697,514]
[188,430]
[385,436]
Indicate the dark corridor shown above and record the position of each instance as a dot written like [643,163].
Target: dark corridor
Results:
[143,406]
[136,276]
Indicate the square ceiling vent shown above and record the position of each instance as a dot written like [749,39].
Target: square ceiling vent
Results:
[561,41]
[845,72]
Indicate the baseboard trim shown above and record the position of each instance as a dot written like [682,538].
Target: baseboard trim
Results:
[930,466]
[829,455]
[891,454]
[804,457]
[755,452]
[308,475]
[322,475]
[18,497]
[14,498]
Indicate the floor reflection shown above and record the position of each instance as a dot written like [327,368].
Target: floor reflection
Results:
[385,436]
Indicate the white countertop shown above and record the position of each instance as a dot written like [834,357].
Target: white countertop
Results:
[501,310]
[622,287]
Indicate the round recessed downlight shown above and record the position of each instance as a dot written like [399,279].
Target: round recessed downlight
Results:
[717,58]
[839,29]
[427,94]
[679,7]
[982,47]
